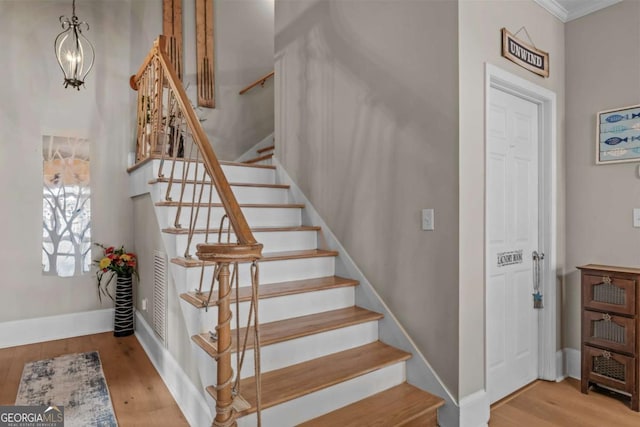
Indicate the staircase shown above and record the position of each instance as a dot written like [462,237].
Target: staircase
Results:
[321,360]
[322,363]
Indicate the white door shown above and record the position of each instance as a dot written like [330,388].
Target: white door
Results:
[511,238]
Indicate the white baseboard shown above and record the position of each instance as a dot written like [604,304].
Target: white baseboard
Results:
[561,373]
[192,402]
[474,410]
[572,359]
[41,329]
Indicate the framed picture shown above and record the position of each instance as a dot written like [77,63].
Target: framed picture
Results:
[618,135]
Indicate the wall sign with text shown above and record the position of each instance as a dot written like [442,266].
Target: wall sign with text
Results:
[525,55]
[509,258]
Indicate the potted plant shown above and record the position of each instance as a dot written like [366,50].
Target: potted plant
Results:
[123,266]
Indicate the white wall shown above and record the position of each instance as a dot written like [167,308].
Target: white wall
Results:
[148,238]
[34,102]
[600,76]
[367,112]
[480,42]
[244,53]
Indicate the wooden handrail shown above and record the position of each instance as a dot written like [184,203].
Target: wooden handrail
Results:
[212,165]
[261,81]
[228,199]
[133,81]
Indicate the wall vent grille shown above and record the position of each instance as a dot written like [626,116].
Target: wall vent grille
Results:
[160,295]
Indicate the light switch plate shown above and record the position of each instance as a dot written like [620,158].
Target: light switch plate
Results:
[428,219]
[636,217]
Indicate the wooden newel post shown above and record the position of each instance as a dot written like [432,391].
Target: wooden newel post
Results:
[225,254]
[224,399]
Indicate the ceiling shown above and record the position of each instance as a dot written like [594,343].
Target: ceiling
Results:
[568,10]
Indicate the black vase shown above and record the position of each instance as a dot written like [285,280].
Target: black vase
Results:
[123,319]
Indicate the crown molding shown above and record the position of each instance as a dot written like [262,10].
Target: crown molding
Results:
[579,10]
[554,8]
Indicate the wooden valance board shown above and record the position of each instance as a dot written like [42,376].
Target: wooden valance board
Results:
[172,27]
[205,53]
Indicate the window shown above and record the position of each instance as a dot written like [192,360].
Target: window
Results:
[66,206]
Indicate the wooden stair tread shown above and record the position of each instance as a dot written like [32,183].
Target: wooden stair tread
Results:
[232,184]
[273,290]
[259,159]
[226,163]
[292,328]
[242,205]
[270,256]
[396,406]
[222,162]
[214,234]
[263,149]
[294,381]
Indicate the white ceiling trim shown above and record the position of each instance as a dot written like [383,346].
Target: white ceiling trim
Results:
[577,9]
[588,7]
[554,8]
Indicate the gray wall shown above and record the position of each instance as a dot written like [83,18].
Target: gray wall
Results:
[243,32]
[367,126]
[601,75]
[34,102]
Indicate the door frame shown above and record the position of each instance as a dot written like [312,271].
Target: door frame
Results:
[545,99]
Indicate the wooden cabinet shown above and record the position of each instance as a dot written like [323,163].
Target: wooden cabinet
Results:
[610,325]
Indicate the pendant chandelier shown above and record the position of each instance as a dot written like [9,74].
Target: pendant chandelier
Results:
[74,51]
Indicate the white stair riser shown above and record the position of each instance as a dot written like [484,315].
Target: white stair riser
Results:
[312,405]
[192,321]
[284,307]
[264,162]
[249,175]
[270,272]
[290,352]
[256,217]
[287,353]
[254,195]
[273,241]
[240,174]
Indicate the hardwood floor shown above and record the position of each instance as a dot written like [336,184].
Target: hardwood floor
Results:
[139,396]
[550,404]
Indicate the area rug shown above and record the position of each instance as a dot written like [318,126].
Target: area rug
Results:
[75,381]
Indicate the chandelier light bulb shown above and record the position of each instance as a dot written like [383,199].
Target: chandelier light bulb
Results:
[74,51]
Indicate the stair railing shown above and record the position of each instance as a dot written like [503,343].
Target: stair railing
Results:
[169,130]
[261,81]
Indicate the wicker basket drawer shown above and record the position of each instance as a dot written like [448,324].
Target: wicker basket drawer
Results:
[608,368]
[610,331]
[609,294]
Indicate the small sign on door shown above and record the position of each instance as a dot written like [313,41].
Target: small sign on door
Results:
[509,258]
